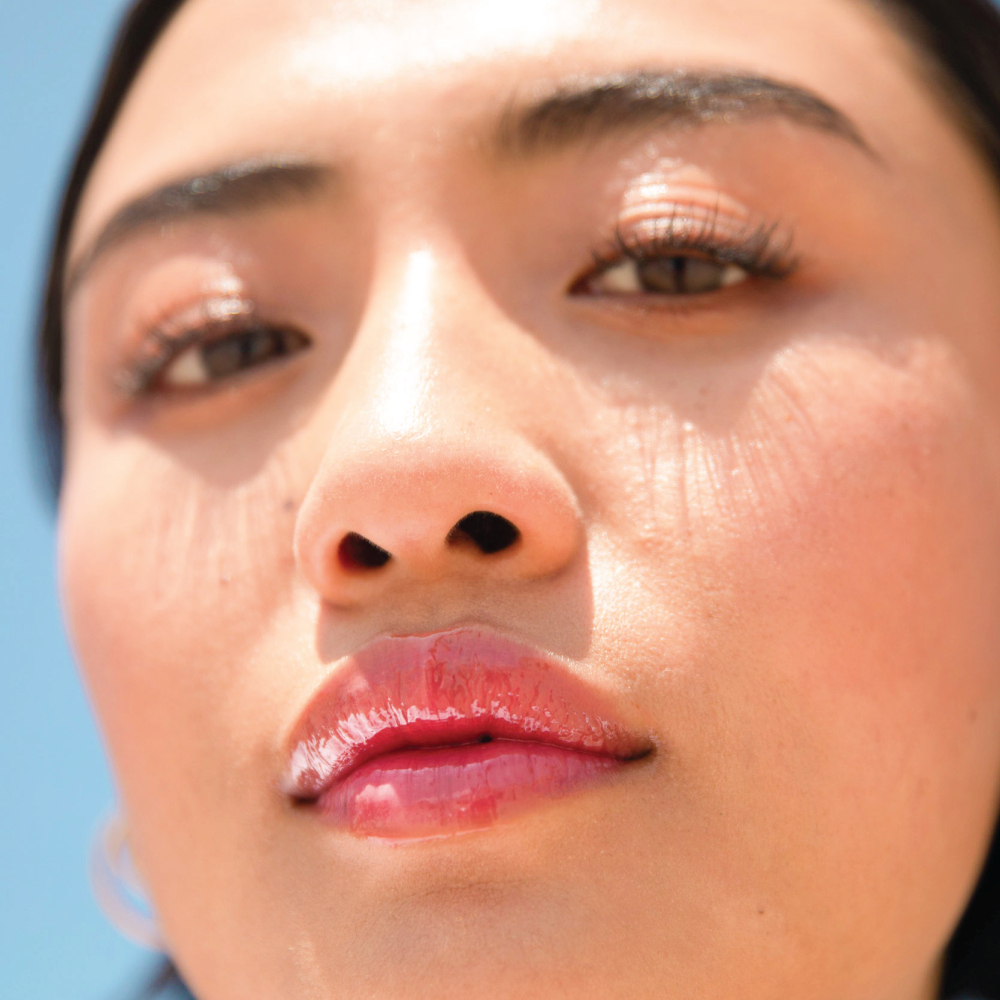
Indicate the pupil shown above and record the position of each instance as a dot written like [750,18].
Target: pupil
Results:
[239,351]
[258,346]
[247,347]
[680,275]
[224,357]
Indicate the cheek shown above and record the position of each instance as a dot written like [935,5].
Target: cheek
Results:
[851,486]
[873,561]
[821,581]
[171,588]
[861,493]
[876,572]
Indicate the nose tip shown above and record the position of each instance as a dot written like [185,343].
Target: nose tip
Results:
[435,513]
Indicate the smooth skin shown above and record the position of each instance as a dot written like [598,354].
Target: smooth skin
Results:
[761,519]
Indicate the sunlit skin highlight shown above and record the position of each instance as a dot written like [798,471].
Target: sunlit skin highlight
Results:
[755,523]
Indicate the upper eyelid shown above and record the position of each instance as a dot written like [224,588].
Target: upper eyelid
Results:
[186,287]
[711,222]
[158,347]
[649,195]
[218,309]
[179,327]
[770,246]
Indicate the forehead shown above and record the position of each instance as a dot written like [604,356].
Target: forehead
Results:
[337,80]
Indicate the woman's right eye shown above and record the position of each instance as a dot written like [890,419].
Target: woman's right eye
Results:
[214,357]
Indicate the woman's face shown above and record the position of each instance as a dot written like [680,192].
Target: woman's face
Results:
[724,351]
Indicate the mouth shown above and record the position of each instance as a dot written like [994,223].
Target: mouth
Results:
[421,736]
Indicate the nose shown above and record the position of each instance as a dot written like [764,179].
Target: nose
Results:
[424,475]
[415,510]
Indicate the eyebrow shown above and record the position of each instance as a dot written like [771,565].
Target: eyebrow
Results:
[580,110]
[251,185]
[585,109]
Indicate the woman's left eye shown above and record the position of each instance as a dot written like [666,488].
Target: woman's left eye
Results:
[667,275]
[206,361]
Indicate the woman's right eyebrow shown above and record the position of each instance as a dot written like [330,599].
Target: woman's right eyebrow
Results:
[250,185]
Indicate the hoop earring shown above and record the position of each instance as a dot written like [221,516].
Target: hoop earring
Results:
[117,887]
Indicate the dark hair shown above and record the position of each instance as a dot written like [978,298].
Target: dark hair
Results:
[142,25]
[963,39]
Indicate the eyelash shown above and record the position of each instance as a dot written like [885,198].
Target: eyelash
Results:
[763,250]
[220,320]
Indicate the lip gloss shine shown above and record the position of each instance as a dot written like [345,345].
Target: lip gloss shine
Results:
[418,736]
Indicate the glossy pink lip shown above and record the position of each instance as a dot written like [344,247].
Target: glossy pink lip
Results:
[417,736]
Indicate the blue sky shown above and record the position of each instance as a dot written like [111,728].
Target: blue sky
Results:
[54,944]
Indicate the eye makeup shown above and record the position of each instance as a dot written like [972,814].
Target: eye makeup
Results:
[192,323]
[216,339]
[677,233]
[170,337]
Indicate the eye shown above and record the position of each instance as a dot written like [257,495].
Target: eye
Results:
[207,360]
[666,275]
[675,256]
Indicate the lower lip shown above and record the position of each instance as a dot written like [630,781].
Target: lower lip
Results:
[420,793]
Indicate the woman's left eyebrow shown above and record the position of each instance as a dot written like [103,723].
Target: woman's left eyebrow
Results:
[251,185]
[579,110]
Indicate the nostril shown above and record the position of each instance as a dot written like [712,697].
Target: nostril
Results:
[488,531]
[356,552]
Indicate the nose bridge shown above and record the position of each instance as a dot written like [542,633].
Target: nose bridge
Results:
[403,365]
[421,475]
[402,402]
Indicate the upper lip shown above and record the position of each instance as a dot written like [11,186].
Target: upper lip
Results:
[446,689]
